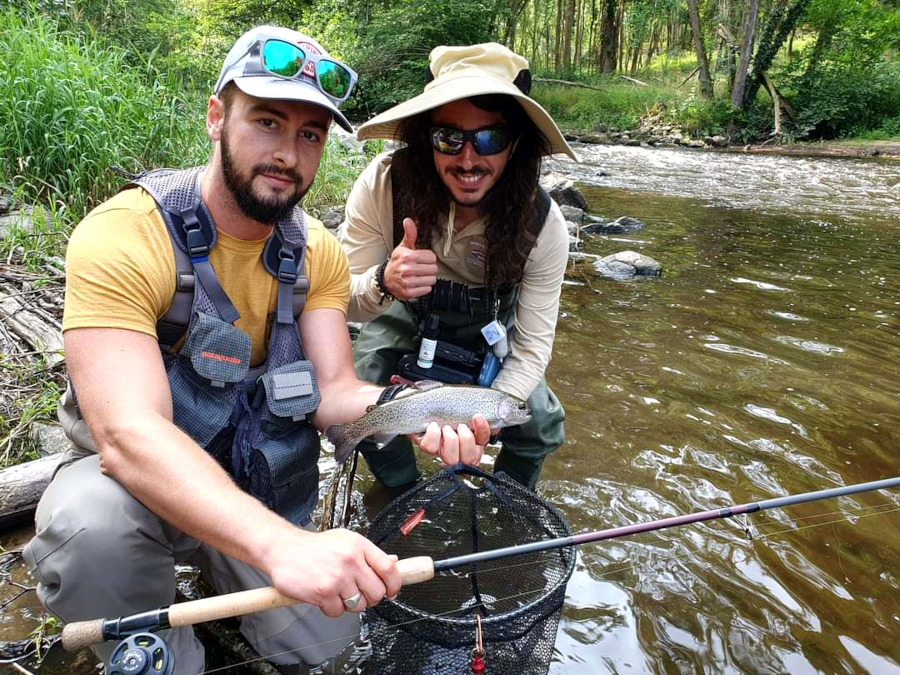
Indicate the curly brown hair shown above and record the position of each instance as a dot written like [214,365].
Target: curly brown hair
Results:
[510,205]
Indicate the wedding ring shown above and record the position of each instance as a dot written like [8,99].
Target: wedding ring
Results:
[352,602]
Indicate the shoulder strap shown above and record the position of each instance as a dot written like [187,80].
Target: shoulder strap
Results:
[543,209]
[283,258]
[193,234]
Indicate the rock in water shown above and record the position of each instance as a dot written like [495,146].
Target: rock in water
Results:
[623,225]
[626,265]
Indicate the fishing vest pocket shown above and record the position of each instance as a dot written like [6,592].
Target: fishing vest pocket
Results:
[219,352]
[283,471]
[199,410]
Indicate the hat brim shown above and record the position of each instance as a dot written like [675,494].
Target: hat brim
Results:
[387,124]
[290,90]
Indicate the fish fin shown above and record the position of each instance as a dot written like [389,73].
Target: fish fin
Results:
[425,385]
[343,439]
[383,439]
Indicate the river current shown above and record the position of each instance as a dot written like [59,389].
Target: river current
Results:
[765,361]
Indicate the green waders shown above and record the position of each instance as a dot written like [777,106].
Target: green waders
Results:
[381,345]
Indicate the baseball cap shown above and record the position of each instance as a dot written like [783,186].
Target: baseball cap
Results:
[313,76]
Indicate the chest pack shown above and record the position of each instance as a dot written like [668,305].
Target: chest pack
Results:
[461,354]
[253,421]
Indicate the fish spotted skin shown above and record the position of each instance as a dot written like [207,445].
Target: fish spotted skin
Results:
[431,402]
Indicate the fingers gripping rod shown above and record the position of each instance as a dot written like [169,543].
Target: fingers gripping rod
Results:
[82,634]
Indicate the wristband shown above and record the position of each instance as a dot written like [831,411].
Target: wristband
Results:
[388,393]
[379,283]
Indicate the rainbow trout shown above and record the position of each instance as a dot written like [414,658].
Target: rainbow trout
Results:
[429,402]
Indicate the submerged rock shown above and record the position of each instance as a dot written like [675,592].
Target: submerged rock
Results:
[627,264]
[622,225]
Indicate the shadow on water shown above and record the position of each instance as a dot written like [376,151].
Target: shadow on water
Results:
[765,361]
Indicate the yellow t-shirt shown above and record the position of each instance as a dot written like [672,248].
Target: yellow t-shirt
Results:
[120,272]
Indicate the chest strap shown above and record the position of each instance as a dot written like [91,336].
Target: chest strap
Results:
[193,235]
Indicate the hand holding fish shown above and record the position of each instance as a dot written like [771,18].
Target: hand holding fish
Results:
[442,414]
[456,446]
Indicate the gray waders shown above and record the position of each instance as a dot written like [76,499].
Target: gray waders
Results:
[384,341]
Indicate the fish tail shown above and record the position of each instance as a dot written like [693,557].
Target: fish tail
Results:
[344,439]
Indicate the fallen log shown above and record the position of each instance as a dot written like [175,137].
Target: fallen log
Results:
[21,487]
[41,332]
[567,83]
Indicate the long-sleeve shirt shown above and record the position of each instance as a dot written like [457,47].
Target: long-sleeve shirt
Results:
[367,235]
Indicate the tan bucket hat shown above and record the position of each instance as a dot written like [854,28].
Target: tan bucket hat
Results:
[462,72]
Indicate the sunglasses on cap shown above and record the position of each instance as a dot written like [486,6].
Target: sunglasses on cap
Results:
[487,141]
[283,59]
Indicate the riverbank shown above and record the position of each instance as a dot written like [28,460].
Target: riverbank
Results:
[672,137]
[847,148]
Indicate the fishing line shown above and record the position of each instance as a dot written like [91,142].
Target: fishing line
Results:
[864,512]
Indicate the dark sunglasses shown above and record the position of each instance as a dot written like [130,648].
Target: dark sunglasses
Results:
[487,141]
[287,60]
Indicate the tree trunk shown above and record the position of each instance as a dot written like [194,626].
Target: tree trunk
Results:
[620,33]
[568,29]
[777,30]
[579,33]
[609,31]
[740,77]
[706,88]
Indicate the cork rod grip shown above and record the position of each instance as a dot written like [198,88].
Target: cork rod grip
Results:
[82,634]
[415,570]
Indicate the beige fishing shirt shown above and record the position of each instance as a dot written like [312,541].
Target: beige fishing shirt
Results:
[367,235]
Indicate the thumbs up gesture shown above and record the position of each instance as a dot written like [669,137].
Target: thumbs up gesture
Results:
[410,273]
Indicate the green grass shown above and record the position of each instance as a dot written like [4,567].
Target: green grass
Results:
[621,105]
[72,107]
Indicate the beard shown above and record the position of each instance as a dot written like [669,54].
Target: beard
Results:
[266,210]
[467,200]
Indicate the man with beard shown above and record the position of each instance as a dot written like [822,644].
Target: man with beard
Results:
[451,239]
[198,399]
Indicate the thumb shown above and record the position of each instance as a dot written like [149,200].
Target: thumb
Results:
[410,232]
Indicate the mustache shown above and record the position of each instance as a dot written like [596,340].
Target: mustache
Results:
[273,170]
[474,171]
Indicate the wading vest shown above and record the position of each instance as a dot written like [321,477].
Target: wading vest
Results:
[252,421]
[463,311]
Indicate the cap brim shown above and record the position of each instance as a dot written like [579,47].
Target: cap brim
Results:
[290,90]
[387,124]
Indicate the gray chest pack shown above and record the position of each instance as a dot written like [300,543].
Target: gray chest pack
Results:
[252,420]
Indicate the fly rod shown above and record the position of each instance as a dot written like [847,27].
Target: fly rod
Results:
[414,570]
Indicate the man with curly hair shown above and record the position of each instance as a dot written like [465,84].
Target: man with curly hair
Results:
[453,234]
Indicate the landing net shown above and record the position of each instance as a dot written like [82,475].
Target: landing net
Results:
[431,627]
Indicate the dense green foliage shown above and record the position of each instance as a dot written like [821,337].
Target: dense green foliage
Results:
[85,84]
[72,108]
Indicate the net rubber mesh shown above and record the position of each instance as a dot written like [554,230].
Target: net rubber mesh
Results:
[431,627]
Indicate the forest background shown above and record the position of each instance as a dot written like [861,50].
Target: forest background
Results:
[90,84]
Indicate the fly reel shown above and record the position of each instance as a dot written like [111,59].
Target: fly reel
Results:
[141,654]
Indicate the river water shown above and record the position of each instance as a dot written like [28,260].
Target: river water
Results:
[764,361]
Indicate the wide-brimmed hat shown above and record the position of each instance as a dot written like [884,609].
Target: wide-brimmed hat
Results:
[463,72]
[242,66]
